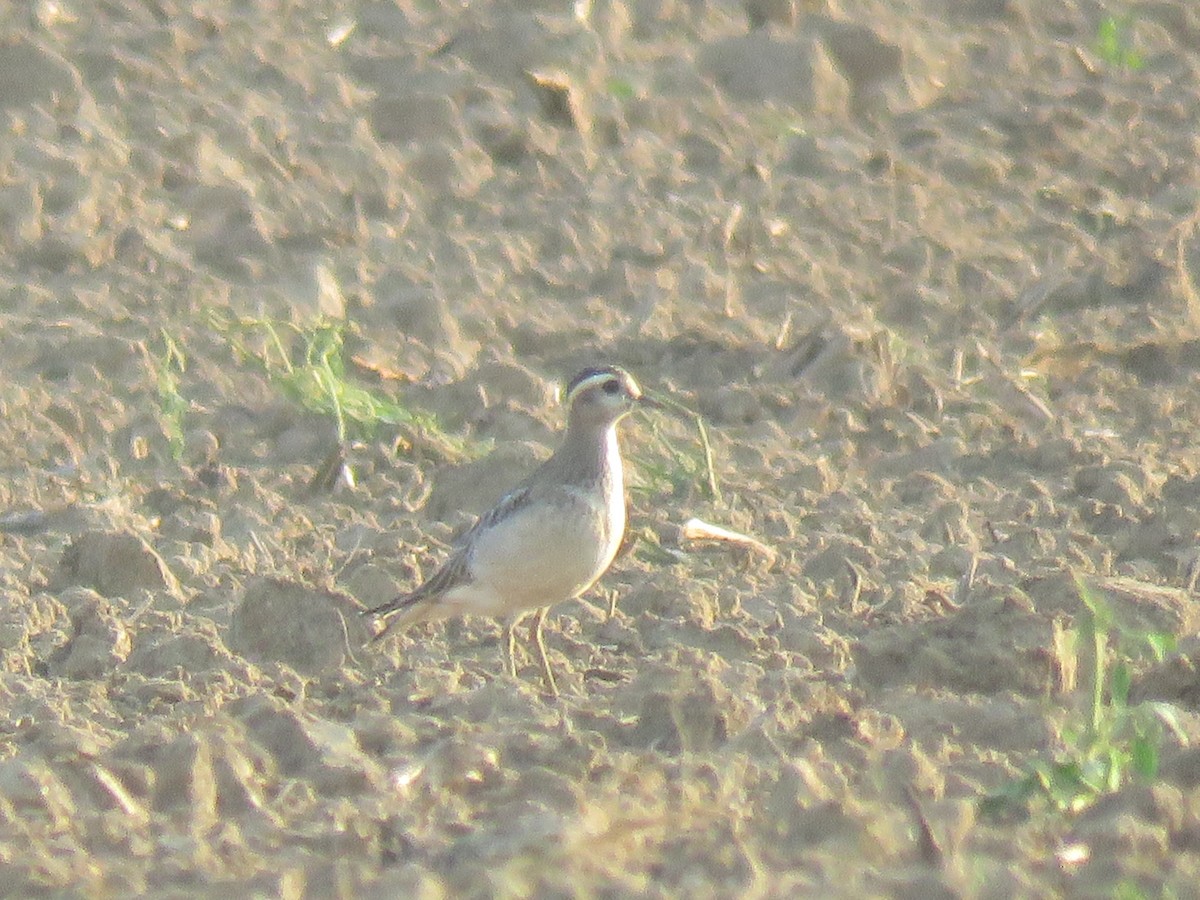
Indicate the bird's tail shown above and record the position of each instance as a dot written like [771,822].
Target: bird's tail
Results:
[397,614]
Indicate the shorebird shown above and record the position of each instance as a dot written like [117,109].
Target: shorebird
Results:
[548,540]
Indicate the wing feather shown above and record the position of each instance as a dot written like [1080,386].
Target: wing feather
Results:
[455,570]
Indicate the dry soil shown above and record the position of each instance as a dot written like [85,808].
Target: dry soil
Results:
[929,270]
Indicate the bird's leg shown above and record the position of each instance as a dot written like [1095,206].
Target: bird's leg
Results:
[612,602]
[536,631]
[510,644]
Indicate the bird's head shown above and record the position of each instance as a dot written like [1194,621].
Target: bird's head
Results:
[603,396]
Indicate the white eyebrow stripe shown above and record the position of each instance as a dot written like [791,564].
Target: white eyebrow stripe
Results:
[590,381]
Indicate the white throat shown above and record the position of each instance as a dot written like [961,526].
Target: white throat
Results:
[616,486]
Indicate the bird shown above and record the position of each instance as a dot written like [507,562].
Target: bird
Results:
[546,541]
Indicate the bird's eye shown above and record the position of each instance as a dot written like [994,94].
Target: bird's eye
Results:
[611,387]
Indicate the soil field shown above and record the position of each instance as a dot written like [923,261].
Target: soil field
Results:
[927,270]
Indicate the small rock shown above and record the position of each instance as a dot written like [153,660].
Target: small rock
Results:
[307,629]
[115,563]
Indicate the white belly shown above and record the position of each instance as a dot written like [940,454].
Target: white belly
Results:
[542,555]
